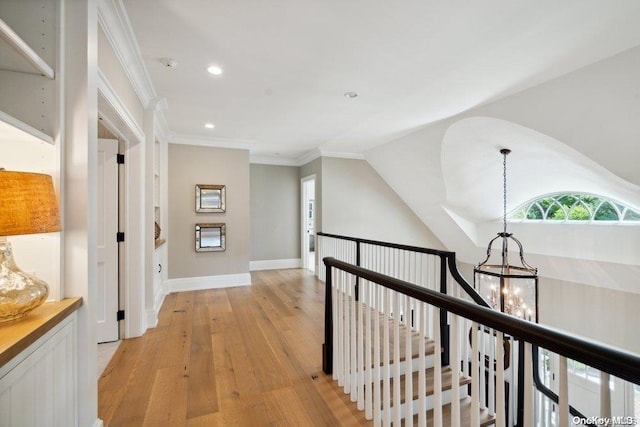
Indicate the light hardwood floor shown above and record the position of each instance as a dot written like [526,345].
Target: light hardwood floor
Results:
[237,356]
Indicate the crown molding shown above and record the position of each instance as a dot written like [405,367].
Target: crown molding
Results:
[186,139]
[272,160]
[114,21]
[342,155]
[308,157]
[160,125]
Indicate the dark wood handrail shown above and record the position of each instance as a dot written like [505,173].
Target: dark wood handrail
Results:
[615,361]
[448,255]
[388,244]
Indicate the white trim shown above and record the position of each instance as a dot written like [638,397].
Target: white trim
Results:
[342,155]
[111,97]
[160,126]
[309,157]
[272,160]
[209,282]
[185,139]
[275,264]
[98,423]
[151,320]
[114,21]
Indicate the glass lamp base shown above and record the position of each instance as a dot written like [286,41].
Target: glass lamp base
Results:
[19,291]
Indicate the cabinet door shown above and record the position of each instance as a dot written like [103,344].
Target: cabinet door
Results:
[40,391]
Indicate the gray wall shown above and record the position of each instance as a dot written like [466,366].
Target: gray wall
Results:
[357,202]
[190,165]
[275,212]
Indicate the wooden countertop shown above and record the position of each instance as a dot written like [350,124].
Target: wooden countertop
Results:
[17,335]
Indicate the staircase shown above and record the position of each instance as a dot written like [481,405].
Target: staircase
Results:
[404,388]
[413,343]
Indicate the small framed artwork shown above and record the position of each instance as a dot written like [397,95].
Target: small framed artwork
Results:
[211,237]
[210,198]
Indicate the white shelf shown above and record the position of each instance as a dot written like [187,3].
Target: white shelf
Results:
[18,56]
[14,129]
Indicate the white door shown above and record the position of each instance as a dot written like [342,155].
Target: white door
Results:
[308,223]
[107,303]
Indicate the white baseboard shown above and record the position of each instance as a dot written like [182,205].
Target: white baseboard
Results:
[98,423]
[151,315]
[209,282]
[275,264]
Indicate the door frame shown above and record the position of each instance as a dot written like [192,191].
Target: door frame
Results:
[116,118]
[304,241]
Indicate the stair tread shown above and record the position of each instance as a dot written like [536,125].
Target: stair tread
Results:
[447,379]
[415,340]
[486,418]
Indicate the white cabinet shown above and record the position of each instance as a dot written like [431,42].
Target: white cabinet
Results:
[38,386]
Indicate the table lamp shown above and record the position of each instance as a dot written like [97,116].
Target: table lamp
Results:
[28,205]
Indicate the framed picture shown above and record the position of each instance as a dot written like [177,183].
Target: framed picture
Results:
[210,198]
[211,237]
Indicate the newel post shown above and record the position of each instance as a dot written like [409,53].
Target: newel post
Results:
[327,346]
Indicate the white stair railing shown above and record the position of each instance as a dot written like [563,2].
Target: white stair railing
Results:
[384,328]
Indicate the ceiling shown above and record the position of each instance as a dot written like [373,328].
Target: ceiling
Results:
[288,63]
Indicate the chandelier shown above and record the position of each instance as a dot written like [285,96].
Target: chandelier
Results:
[512,289]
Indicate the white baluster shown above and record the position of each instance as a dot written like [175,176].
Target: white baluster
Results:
[346,342]
[386,386]
[563,392]
[337,325]
[605,395]
[492,357]
[475,380]
[437,369]
[396,358]
[408,352]
[377,405]
[528,386]
[500,394]
[339,349]
[483,383]
[422,366]
[356,339]
[368,407]
[454,363]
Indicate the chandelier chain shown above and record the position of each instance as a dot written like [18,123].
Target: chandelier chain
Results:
[504,191]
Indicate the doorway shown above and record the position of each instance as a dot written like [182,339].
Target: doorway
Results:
[308,253]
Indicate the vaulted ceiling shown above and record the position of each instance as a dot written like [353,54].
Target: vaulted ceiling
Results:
[288,64]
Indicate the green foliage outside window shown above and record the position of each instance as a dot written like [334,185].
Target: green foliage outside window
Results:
[575,207]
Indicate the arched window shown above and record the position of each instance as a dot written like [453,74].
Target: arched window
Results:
[575,207]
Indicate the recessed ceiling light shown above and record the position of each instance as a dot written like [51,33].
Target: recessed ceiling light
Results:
[351,94]
[215,70]
[209,125]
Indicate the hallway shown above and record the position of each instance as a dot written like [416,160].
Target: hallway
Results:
[235,356]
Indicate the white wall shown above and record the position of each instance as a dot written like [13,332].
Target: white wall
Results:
[357,202]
